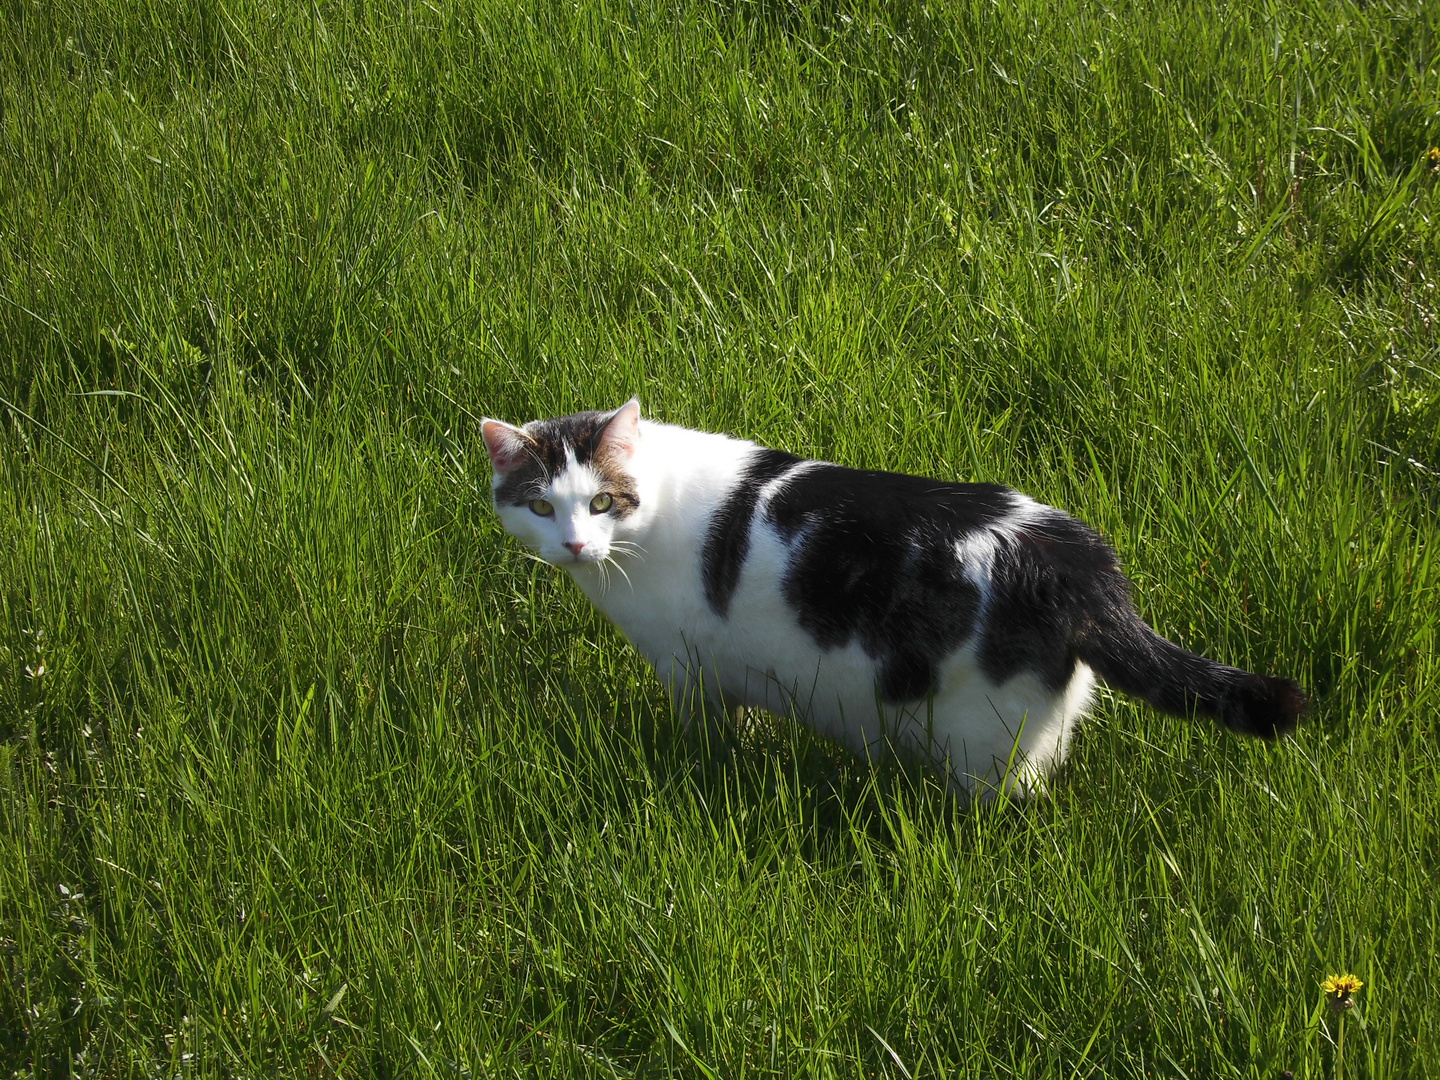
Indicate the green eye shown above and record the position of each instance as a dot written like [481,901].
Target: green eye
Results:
[541,507]
[600,503]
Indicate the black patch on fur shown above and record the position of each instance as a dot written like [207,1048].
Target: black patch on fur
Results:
[873,557]
[727,543]
[906,676]
[1042,583]
[548,441]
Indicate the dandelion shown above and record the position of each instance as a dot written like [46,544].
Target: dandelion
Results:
[1433,157]
[1340,991]
[1339,999]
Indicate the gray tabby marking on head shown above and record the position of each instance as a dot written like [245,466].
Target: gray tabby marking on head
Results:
[551,444]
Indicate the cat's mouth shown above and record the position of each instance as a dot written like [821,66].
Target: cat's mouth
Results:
[585,557]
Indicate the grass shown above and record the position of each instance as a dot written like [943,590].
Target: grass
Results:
[305,771]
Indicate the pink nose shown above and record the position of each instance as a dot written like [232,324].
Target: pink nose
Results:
[575,546]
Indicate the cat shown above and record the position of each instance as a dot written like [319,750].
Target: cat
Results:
[961,624]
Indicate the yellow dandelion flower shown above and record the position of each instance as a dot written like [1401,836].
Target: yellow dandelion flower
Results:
[1433,157]
[1340,992]
[1341,985]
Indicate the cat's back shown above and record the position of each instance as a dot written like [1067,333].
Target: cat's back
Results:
[758,554]
[844,538]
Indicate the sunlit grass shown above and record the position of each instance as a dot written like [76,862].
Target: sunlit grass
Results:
[304,770]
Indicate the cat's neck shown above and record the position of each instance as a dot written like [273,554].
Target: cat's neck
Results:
[684,475]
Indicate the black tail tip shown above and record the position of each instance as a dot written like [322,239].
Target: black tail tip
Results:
[1264,706]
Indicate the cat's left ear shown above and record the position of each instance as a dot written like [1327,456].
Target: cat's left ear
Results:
[623,431]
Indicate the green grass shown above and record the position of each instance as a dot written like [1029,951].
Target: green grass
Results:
[321,776]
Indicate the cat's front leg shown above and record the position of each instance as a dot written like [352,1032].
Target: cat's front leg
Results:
[696,702]
[701,704]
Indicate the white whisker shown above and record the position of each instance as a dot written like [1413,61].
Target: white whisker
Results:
[623,574]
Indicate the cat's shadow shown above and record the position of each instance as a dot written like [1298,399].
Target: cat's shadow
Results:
[769,783]
[771,775]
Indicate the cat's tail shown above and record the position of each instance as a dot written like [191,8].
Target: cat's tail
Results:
[1131,657]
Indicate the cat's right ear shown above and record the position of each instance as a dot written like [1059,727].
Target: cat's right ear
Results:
[508,446]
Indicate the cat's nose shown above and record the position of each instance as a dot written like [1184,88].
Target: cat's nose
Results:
[575,546]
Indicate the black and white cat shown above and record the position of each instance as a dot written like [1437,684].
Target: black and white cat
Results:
[963,624]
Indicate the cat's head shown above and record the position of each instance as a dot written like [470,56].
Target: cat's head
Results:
[563,487]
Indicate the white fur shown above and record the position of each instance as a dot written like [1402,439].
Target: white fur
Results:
[644,573]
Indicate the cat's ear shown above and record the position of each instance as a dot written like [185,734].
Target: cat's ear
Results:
[508,445]
[623,431]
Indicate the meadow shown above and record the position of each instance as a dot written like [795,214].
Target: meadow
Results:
[305,770]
